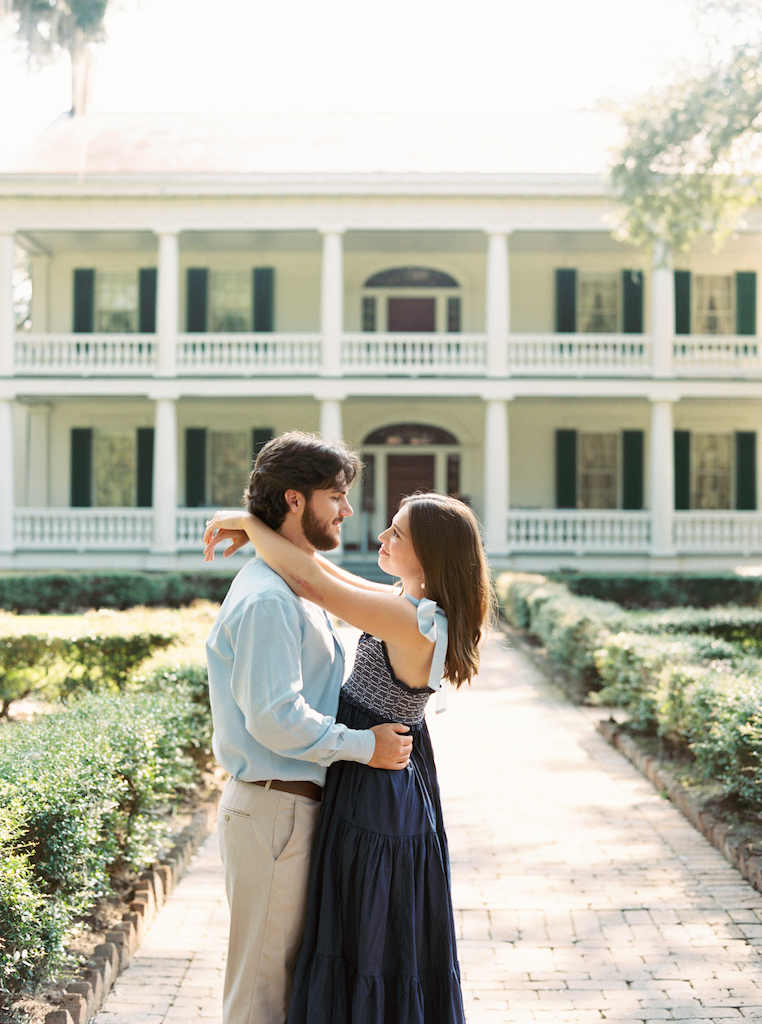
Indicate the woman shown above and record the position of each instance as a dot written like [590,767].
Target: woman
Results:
[379,940]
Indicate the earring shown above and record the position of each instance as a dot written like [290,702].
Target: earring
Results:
[423,585]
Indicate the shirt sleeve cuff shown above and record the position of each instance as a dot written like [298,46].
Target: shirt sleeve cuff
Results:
[359,745]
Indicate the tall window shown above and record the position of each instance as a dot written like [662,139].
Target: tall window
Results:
[229,466]
[714,307]
[711,471]
[598,303]
[229,301]
[116,302]
[114,468]
[597,468]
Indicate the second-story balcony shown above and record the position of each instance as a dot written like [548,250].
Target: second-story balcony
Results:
[382,354]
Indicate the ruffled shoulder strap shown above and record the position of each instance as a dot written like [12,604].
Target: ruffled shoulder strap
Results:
[432,623]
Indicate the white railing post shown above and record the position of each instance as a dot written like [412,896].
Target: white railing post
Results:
[662,312]
[332,302]
[7,475]
[168,303]
[7,317]
[496,476]
[661,452]
[165,477]
[498,315]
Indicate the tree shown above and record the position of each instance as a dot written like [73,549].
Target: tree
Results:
[50,27]
[690,164]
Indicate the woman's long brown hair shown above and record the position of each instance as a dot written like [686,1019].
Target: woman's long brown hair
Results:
[446,539]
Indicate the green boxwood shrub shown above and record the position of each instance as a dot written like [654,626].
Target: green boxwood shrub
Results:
[67,592]
[86,792]
[649,591]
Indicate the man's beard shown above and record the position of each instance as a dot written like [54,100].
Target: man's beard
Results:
[316,532]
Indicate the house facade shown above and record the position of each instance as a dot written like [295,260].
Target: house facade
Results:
[476,331]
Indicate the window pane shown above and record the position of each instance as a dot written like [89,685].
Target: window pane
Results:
[714,311]
[453,475]
[114,468]
[116,302]
[230,467]
[598,304]
[711,471]
[229,301]
[453,314]
[369,313]
[597,470]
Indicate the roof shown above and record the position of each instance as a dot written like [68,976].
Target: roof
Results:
[240,144]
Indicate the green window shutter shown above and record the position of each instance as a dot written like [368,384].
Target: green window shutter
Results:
[746,470]
[682,469]
[566,469]
[259,437]
[746,302]
[145,467]
[84,301]
[264,298]
[682,302]
[198,288]
[632,301]
[81,467]
[195,467]
[632,469]
[566,301]
[147,282]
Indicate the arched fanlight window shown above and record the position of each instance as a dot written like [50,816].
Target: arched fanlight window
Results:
[410,434]
[411,277]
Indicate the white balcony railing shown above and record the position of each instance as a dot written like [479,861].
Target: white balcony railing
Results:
[738,533]
[248,354]
[190,526]
[579,532]
[377,354]
[84,354]
[717,356]
[580,355]
[436,355]
[83,529]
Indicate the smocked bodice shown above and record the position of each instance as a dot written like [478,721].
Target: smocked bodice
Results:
[373,686]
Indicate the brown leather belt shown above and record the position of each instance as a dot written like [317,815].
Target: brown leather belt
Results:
[308,789]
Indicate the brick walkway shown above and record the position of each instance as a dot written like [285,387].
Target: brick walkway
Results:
[580,894]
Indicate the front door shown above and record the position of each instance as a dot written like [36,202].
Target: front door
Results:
[404,475]
[411,315]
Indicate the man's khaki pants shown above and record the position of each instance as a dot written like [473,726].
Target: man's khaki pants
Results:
[265,842]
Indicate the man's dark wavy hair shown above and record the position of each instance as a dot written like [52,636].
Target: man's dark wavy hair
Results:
[300,462]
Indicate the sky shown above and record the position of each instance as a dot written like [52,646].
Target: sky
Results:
[357,55]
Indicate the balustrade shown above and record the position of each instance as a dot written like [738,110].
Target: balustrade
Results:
[248,354]
[738,533]
[83,529]
[419,353]
[579,532]
[579,354]
[83,354]
[713,355]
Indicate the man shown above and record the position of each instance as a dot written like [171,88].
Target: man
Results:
[275,670]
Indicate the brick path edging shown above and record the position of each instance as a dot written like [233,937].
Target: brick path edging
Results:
[734,849]
[86,992]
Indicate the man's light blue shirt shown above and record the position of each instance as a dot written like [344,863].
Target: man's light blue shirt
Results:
[275,671]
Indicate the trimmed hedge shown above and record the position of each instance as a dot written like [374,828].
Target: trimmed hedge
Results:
[84,793]
[691,676]
[67,592]
[666,591]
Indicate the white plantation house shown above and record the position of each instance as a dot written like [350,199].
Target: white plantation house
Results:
[444,292]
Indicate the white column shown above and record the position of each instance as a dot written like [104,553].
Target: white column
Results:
[661,475]
[38,456]
[165,477]
[330,419]
[168,303]
[7,475]
[498,314]
[662,312]
[496,477]
[332,302]
[7,318]
[41,293]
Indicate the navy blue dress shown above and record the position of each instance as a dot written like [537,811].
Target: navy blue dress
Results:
[379,940]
